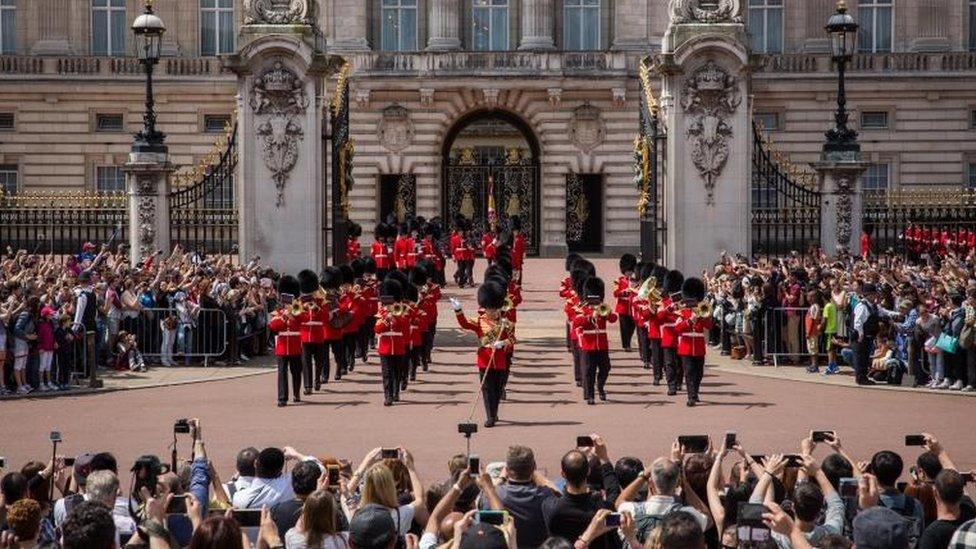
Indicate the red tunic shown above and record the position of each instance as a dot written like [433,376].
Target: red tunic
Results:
[286,327]
[353,249]
[518,252]
[691,338]
[391,333]
[381,255]
[312,320]
[592,329]
[404,252]
[488,248]
[624,295]
[653,322]
[666,319]
[488,331]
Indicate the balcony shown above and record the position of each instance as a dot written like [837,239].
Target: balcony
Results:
[867,63]
[177,67]
[515,63]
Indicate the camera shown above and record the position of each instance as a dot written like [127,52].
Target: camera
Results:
[55,436]
[612,520]
[333,475]
[467,429]
[693,444]
[146,472]
[474,465]
[848,487]
[69,462]
[495,518]
[730,440]
[390,453]
[914,440]
[177,505]
[182,426]
[584,442]
[247,518]
[821,436]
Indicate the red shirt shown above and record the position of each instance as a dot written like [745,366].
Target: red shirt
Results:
[488,331]
[592,329]
[391,333]
[865,245]
[286,327]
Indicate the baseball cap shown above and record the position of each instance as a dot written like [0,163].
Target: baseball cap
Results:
[483,536]
[880,528]
[83,466]
[372,527]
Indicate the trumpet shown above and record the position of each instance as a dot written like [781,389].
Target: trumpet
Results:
[602,310]
[396,309]
[702,310]
[508,306]
[647,288]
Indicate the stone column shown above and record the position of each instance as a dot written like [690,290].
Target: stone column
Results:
[840,204]
[147,184]
[537,25]
[351,24]
[50,27]
[708,115]
[445,25]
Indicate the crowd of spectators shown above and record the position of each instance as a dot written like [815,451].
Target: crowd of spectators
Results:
[883,315]
[691,496]
[181,307]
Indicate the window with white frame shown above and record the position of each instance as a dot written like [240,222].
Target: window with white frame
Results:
[489,19]
[8,178]
[109,27]
[877,177]
[8,26]
[766,25]
[399,25]
[109,179]
[216,27]
[971,175]
[769,121]
[876,29]
[874,120]
[581,25]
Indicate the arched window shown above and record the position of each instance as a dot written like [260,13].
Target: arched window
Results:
[399,25]
[489,20]
[581,25]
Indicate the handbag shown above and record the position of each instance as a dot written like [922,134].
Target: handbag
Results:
[947,343]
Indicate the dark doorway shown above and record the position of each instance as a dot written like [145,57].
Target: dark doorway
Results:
[398,196]
[584,212]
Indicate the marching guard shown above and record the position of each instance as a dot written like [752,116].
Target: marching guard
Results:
[694,320]
[392,325]
[624,293]
[286,323]
[591,324]
[312,317]
[666,319]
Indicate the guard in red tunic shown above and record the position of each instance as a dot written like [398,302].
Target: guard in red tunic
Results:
[391,327]
[653,328]
[518,248]
[592,323]
[404,249]
[666,319]
[695,319]
[430,295]
[353,249]
[370,295]
[489,245]
[286,324]
[314,360]
[494,335]
[623,292]
[381,252]
[337,316]
[351,302]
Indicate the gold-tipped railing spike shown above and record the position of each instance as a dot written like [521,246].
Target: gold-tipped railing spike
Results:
[340,90]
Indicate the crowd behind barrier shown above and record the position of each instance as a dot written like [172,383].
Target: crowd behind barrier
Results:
[59,317]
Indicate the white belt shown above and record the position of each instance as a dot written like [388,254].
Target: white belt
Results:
[381,255]
[593,332]
[670,325]
[692,334]
[280,334]
[312,323]
[390,334]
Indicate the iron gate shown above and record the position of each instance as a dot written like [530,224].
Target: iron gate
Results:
[785,212]
[203,210]
[343,152]
[650,152]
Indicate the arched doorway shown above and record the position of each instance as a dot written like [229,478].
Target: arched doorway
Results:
[492,151]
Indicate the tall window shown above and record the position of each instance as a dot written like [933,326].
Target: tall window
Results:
[109,179]
[581,24]
[216,27]
[876,178]
[109,27]
[8,26]
[490,25]
[971,175]
[766,25]
[399,25]
[8,178]
[875,32]
[972,25]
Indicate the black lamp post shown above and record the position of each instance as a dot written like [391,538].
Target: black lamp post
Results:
[842,29]
[149,30]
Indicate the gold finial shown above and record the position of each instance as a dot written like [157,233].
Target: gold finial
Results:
[841,6]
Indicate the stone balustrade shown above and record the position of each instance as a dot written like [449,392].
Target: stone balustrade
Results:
[492,63]
[908,62]
[108,66]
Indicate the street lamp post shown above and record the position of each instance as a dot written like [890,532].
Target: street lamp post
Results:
[841,140]
[149,30]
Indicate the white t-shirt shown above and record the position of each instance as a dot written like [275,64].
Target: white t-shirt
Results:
[406,518]
[295,539]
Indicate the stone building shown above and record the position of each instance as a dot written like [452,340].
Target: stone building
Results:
[539,97]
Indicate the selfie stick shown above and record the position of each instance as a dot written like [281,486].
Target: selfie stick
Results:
[173,455]
[54,463]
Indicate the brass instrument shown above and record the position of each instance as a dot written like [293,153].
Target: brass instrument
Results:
[602,310]
[508,306]
[649,292]
[396,309]
[702,310]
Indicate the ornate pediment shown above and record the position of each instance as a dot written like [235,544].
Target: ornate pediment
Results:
[705,11]
[276,12]
[395,130]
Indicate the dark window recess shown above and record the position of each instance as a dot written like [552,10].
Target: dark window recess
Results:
[6,121]
[215,123]
[874,120]
[109,123]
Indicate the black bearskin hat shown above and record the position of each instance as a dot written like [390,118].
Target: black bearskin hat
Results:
[399,276]
[498,279]
[628,262]
[289,285]
[693,289]
[347,274]
[391,289]
[570,260]
[497,272]
[404,229]
[644,270]
[308,281]
[586,266]
[331,278]
[410,293]
[355,230]
[380,231]
[515,223]
[358,267]
[418,276]
[672,282]
[578,277]
[659,273]
[369,265]
[593,287]
[491,295]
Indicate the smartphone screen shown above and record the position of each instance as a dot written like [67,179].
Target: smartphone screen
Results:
[584,442]
[821,436]
[694,444]
[612,520]
[177,506]
[729,439]
[390,453]
[474,465]
[914,440]
[68,462]
[247,518]
[793,460]
[495,518]
[848,487]
[333,476]
[287,299]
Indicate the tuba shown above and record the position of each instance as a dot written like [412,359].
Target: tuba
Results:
[649,291]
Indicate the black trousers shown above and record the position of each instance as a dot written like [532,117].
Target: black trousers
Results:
[694,372]
[335,345]
[289,365]
[349,348]
[390,366]
[491,390]
[314,361]
[862,357]
[403,371]
[416,356]
[364,336]
[657,358]
[429,345]
[627,327]
[642,345]
[578,364]
[672,368]
[597,372]
[569,337]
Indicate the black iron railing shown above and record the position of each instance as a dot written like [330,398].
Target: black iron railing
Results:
[46,223]
[888,213]
[650,169]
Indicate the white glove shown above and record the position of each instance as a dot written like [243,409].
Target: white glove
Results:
[456,304]
[499,345]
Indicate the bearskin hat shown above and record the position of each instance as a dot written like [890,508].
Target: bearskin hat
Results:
[659,272]
[369,265]
[578,277]
[380,231]
[644,270]
[358,267]
[331,278]
[693,289]
[672,282]
[593,287]
[585,265]
[491,295]
[391,289]
[435,229]
[498,279]
[571,259]
[515,223]
[355,230]
[418,276]
[497,272]
[399,276]
[410,293]
[308,281]
[289,285]
[348,276]
[628,262]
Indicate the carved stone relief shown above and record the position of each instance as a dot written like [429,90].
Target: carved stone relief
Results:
[845,209]
[278,99]
[705,11]
[395,130]
[587,130]
[276,12]
[710,95]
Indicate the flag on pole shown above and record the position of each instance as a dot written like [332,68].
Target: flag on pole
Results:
[492,214]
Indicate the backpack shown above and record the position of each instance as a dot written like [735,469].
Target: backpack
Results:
[907,512]
[645,523]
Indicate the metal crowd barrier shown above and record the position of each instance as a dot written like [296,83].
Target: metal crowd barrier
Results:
[205,337]
[784,334]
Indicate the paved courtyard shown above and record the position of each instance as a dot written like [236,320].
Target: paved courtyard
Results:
[770,412]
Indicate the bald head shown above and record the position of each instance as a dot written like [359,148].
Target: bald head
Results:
[665,474]
[575,468]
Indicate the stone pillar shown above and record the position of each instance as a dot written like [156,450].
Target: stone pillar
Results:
[351,24]
[280,172]
[708,115]
[445,25]
[840,204]
[147,184]
[632,22]
[537,25]
[49,27]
